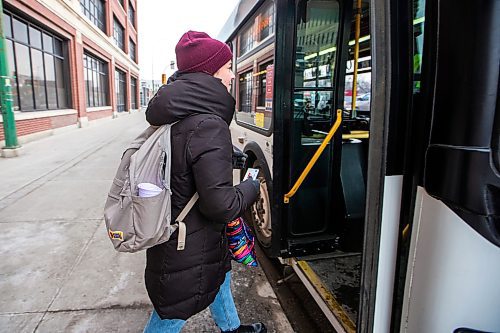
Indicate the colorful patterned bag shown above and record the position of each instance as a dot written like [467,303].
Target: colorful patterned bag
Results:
[241,242]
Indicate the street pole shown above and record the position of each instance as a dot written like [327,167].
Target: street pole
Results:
[152,77]
[9,123]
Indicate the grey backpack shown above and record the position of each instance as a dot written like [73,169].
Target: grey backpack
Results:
[136,223]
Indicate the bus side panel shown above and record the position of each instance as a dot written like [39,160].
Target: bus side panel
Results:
[265,142]
[453,273]
[388,252]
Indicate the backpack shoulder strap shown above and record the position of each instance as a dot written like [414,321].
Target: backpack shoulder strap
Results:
[138,141]
[181,240]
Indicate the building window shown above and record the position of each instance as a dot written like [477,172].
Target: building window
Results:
[120,87]
[131,49]
[96,81]
[37,66]
[131,13]
[95,11]
[133,93]
[144,93]
[118,34]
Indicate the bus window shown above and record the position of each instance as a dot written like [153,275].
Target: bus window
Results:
[418,42]
[317,34]
[254,66]
[264,93]
[314,108]
[257,30]
[265,22]
[246,41]
[244,111]
[256,109]
[317,38]
[364,77]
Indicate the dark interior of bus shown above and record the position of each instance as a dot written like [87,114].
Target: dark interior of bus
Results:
[326,218]
[339,176]
[332,199]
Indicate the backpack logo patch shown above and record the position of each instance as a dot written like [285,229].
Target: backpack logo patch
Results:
[115,235]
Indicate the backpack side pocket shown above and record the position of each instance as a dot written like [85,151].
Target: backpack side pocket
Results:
[118,216]
[150,219]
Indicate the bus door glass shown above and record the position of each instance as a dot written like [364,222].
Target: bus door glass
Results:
[317,36]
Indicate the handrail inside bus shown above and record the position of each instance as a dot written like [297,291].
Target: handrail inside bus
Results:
[315,157]
[356,57]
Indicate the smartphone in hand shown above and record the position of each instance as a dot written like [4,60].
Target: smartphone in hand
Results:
[251,173]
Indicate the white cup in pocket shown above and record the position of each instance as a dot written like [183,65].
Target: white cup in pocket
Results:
[147,190]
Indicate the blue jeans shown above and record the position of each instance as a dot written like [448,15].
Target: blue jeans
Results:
[222,309]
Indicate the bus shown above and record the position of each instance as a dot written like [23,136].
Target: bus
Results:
[375,128]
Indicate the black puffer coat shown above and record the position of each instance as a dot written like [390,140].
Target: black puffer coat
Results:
[182,283]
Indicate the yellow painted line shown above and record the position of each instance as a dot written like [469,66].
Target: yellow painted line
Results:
[327,297]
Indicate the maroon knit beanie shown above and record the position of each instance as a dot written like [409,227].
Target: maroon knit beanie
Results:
[197,52]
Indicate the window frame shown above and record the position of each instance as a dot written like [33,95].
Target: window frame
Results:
[118,29]
[266,58]
[100,74]
[132,45]
[133,93]
[96,14]
[55,53]
[119,73]
[131,13]
[248,72]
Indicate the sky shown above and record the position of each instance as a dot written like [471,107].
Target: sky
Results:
[161,24]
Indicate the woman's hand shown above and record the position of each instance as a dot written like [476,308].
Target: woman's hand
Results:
[239,158]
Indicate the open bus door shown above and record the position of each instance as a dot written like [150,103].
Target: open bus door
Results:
[332,226]
[324,219]
[309,89]
[429,155]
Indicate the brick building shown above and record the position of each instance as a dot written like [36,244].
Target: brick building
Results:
[72,62]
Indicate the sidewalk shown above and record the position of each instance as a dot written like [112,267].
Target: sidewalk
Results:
[58,270]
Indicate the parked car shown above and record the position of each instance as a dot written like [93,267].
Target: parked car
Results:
[363,102]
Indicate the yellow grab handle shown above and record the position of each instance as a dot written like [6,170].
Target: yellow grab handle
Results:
[315,157]
[356,57]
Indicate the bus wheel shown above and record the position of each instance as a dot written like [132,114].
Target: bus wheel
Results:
[260,211]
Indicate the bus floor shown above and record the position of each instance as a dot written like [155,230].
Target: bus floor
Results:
[339,273]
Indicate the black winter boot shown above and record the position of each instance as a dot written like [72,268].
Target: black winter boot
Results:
[253,328]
